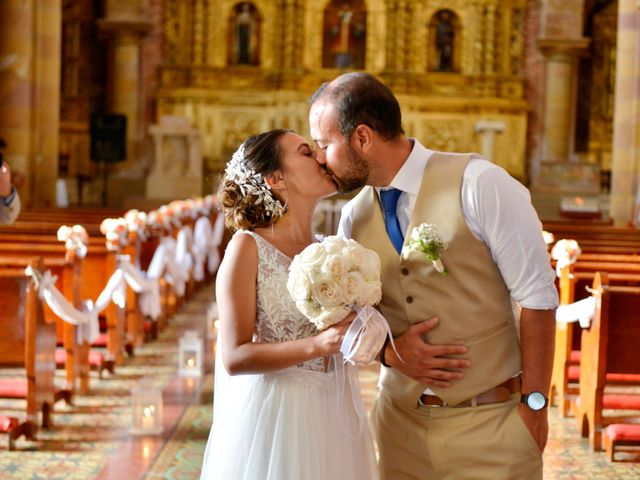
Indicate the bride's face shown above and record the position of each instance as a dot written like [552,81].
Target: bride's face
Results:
[302,174]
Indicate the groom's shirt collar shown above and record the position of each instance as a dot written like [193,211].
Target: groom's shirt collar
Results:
[409,177]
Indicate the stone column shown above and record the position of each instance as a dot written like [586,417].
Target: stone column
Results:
[561,69]
[625,205]
[487,130]
[127,25]
[30,95]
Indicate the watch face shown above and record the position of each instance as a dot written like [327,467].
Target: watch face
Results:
[536,401]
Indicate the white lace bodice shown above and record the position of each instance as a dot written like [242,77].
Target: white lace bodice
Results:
[277,317]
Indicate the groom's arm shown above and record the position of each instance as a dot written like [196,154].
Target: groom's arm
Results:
[537,343]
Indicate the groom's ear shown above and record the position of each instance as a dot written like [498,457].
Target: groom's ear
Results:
[363,137]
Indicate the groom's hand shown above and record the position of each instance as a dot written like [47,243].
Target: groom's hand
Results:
[424,362]
[537,423]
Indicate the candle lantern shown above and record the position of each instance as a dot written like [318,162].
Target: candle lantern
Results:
[146,401]
[190,355]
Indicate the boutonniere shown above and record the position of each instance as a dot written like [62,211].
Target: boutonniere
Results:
[425,239]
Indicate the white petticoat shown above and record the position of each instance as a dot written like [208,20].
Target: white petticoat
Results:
[285,426]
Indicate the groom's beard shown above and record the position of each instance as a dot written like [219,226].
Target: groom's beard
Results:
[355,174]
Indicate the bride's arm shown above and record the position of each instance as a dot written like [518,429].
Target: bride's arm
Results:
[236,297]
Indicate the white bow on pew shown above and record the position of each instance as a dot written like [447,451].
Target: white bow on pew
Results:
[202,232]
[216,241]
[86,321]
[115,290]
[582,311]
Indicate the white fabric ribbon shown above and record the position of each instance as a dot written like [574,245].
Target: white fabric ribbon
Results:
[202,233]
[147,288]
[216,240]
[582,311]
[86,321]
[365,336]
[346,373]
[361,343]
[177,261]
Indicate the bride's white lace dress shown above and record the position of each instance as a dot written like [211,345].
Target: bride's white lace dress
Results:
[295,424]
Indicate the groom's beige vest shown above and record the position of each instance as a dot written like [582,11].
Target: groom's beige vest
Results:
[472,302]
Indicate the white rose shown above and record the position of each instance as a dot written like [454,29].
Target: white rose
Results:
[299,285]
[334,244]
[353,286]
[371,294]
[370,267]
[330,316]
[326,292]
[311,257]
[356,254]
[334,266]
[308,309]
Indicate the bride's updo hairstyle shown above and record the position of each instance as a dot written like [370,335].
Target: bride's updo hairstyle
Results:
[247,201]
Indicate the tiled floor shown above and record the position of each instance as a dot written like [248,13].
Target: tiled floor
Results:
[92,440]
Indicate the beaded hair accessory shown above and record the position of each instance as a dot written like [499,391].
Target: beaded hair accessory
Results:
[252,183]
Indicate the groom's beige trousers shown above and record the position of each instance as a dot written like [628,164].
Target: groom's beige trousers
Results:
[442,443]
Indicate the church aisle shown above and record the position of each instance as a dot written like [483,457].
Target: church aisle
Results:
[91,438]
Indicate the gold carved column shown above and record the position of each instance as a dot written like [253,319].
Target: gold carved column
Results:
[30,94]
[126,24]
[626,128]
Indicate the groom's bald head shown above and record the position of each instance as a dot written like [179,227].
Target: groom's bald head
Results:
[361,99]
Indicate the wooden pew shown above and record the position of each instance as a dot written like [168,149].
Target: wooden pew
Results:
[609,345]
[97,267]
[27,342]
[566,363]
[599,239]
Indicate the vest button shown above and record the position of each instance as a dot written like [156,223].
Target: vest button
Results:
[409,299]
[404,271]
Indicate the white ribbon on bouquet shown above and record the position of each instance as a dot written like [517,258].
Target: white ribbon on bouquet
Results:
[361,343]
[365,336]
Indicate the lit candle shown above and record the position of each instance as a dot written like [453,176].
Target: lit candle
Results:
[148,418]
[191,362]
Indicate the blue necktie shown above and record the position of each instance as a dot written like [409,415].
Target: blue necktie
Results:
[389,200]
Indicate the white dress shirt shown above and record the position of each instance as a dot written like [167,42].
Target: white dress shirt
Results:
[498,212]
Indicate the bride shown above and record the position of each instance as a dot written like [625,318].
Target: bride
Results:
[281,411]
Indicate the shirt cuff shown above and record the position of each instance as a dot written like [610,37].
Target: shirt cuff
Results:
[9,200]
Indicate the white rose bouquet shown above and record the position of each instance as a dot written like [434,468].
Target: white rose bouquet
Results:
[329,279]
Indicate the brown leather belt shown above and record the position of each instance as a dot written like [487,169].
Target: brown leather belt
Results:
[498,394]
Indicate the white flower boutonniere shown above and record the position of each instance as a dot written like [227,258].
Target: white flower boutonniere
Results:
[425,239]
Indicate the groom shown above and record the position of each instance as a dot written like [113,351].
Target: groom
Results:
[467,400]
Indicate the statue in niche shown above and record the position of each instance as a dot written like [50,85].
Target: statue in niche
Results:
[244,28]
[445,41]
[344,34]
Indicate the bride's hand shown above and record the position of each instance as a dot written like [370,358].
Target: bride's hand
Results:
[330,339]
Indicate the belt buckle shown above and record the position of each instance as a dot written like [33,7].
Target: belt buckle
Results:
[420,403]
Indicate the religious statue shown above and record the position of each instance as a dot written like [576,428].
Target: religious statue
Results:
[445,41]
[344,34]
[245,33]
